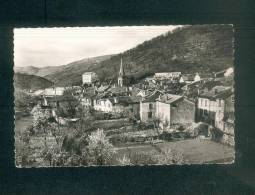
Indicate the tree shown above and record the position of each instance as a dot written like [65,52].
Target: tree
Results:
[99,148]
[40,118]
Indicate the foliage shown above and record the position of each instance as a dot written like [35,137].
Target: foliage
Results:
[74,143]
[124,160]
[170,156]
[99,148]
[40,119]
[86,118]
[68,108]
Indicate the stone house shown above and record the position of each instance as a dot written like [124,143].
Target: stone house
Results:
[211,102]
[148,107]
[224,118]
[174,109]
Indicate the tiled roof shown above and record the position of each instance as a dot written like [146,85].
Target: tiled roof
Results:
[169,98]
[124,100]
[217,92]
[152,97]
[59,98]
[117,89]
[188,77]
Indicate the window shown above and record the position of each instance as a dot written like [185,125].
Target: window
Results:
[150,106]
[205,102]
[201,112]
[232,99]
[149,114]
[205,112]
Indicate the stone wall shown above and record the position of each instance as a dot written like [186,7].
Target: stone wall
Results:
[183,112]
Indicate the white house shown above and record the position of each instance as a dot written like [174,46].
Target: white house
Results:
[167,75]
[118,104]
[229,72]
[54,91]
[212,102]
[89,78]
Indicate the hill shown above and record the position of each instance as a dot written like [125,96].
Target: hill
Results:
[188,49]
[26,70]
[27,82]
[70,74]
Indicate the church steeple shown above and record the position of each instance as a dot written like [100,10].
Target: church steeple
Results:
[121,75]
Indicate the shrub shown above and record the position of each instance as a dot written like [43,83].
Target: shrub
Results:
[99,148]
[170,156]
[124,160]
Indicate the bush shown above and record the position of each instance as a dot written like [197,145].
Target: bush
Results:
[170,156]
[99,148]
[124,160]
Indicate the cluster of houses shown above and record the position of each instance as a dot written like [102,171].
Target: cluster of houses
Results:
[199,98]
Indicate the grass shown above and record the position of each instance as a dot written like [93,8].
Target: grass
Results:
[194,151]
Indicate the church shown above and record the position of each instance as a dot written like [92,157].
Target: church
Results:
[123,80]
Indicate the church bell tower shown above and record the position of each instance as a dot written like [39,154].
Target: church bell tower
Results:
[121,77]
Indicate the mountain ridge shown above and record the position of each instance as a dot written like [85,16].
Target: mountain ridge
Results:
[187,49]
[30,82]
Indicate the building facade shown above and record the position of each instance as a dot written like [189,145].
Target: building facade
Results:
[174,109]
[148,107]
[89,78]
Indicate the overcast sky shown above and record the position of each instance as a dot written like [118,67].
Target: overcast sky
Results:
[58,46]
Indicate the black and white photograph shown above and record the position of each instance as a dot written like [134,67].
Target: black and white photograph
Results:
[124,95]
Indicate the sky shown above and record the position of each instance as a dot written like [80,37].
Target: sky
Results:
[42,47]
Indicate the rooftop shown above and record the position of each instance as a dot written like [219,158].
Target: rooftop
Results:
[218,92]
[169,98]
[152,97]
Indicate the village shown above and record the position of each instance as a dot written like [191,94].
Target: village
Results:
[166,112]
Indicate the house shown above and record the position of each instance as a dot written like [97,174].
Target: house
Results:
[119,104]
[229,72]
[175,109]
[53,91]
[89,78]
[219,74]
[210,102]
[118,91]
[224,117]
[148,106]
[189,78]
[88,99]
[167,75]
[56,101]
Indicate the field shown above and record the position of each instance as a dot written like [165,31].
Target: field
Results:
[195,151]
